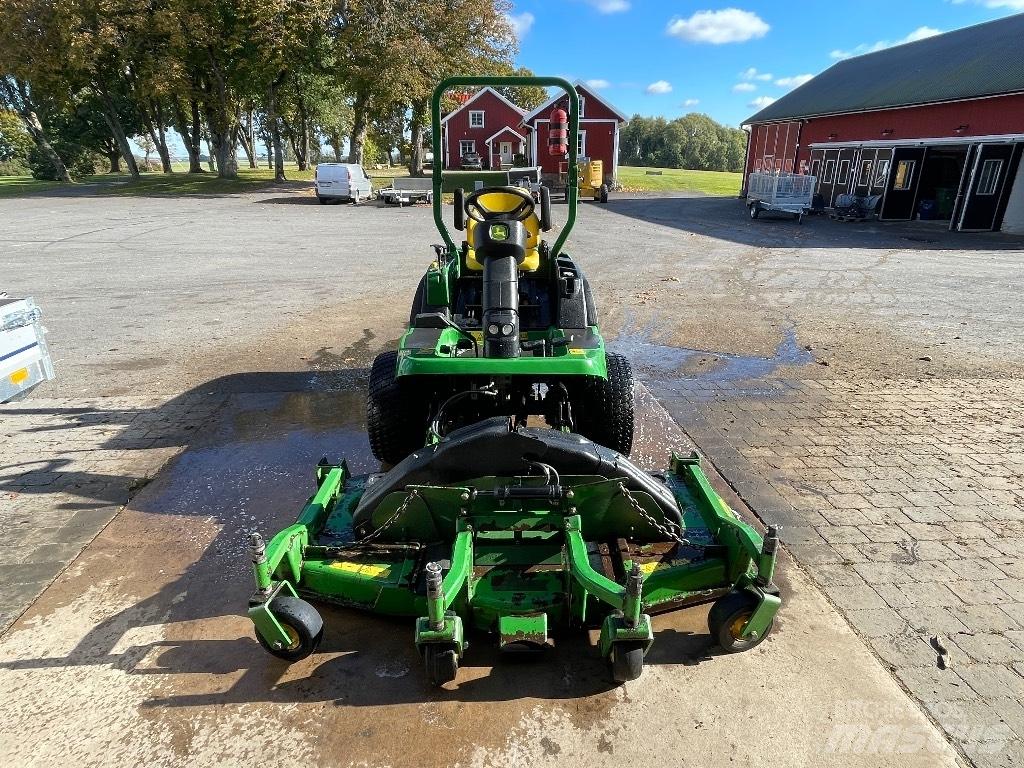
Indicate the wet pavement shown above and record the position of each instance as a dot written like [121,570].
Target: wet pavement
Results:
[140,654]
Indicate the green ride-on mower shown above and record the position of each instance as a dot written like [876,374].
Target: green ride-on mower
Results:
[485,523]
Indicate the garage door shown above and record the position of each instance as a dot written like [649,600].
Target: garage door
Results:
[905,175]
[991,168]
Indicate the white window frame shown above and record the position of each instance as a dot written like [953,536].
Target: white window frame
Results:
[462,147]
[474,113]
[988,183]
[829,174]
[908,181]
[815,168]
[844,172]
[583,105]
[581,144]
[864,180]
[882,172]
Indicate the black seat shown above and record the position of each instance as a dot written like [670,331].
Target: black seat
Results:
[493,447]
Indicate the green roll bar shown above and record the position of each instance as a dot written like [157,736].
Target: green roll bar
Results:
[500,82]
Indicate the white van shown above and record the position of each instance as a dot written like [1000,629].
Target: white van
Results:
[341,181]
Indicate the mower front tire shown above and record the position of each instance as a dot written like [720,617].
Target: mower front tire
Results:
[442,663]
[396,419]
[605,412]
[627,661]
[604,193]
[727,617]
[301,622]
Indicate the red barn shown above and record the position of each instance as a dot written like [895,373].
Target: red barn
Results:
[936,127]
[599,132]
[486,123]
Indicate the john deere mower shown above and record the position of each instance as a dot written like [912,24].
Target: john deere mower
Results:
[487,523]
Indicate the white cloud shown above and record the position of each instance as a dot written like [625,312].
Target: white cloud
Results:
[793,82]
[660,86]
[918,34]
[520,23]
[753,74]
[691,102]
[598,84]
[730,25]
[761,102]
[744,88]
[609,6]
[1015,5]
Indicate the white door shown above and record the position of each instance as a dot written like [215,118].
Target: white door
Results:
[505,150]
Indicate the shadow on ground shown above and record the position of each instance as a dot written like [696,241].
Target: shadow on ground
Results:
[726,218]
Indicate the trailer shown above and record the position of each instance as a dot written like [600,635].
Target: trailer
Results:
[406,191]
[791,193]
[24,359]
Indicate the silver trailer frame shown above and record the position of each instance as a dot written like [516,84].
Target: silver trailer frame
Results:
[24,357]
[791,193]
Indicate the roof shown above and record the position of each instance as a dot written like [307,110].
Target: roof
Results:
[505,129]
[983,60]
[476,96]
[580,86]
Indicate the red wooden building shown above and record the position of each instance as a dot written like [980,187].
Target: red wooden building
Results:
[486,123]
[934,127]
[598,137]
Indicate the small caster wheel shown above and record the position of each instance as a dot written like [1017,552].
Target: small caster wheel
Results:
[627,661]
[442,663]
[727,617]
[301,622]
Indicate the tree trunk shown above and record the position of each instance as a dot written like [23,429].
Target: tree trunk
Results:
[358,137]
[302,150]
[335,141]
[250,153]
[16,93]
[161,136]
[211,160]
[114,158]
[270,152]
[275,129]
[190,134]
[419,109]
[250,130]
[117,130]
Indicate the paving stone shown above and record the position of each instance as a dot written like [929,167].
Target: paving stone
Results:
[907,649]
[934,684]
[977,592]
[992,681]
[875,622]
[989,647]
[933,620]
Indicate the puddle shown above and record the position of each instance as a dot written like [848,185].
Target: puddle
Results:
[670,367]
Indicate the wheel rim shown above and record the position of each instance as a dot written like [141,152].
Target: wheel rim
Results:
[293,636]
[736,629]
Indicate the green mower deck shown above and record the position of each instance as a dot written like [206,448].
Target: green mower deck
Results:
[477,557]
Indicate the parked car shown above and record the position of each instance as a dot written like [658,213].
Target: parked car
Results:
[341,181]
[471,162]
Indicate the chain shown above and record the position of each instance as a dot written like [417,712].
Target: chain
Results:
[369,538]
[668,529]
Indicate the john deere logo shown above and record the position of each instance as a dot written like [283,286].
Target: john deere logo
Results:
[499,231]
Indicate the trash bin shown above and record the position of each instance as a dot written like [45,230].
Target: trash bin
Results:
[927,210]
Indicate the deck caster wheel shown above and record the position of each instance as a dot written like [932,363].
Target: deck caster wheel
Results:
[302,624]
[626,661]
[726,619]
[441,662]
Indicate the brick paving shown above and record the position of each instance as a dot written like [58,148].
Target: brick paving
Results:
[904,500]
[67,466]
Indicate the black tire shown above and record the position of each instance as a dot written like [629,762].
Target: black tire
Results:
[604,409]
[727,615]
[604,193]
[441,662]
[396,416]
[626,661]
[321,200]
[302,622]
[755,210]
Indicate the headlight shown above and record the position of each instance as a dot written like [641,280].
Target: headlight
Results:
[492,329]
[507,329]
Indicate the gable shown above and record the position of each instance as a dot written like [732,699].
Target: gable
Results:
[491,102]
[594,108]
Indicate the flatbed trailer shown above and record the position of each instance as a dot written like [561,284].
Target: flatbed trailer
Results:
[791,193]
[24,358]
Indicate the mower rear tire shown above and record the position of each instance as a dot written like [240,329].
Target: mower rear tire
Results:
[727,617]
[605,410]
[396,419]
[442,663]
[627,661]
[303,624]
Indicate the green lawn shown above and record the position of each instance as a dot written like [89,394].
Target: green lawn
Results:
[675,180]
[15,186]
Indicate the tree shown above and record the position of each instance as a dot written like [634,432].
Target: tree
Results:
[528,98]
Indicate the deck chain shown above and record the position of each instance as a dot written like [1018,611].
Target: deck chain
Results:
[668,529]
[371,537]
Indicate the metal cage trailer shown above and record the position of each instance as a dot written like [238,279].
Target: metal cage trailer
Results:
[407,191]
[791,193]
[24,359]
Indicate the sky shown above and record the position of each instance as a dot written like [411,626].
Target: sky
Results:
[726,59]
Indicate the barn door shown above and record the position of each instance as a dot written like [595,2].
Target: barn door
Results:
[904,177]
[991,167]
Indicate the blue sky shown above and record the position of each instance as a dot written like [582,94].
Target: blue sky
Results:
[669,57]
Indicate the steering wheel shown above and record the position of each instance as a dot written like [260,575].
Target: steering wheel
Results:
[480,213]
